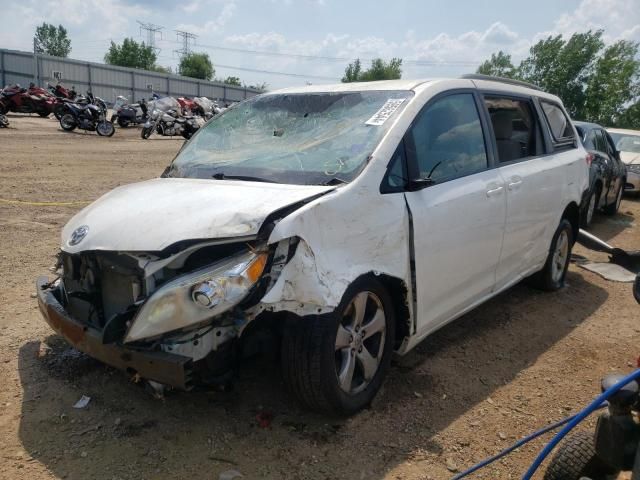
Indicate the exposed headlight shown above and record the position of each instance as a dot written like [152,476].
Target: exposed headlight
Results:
[198,296]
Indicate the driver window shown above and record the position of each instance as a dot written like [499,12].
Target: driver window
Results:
[446,142]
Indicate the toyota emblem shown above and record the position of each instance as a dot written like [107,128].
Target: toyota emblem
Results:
[78,235]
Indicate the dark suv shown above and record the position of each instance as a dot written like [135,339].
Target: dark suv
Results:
[607,173]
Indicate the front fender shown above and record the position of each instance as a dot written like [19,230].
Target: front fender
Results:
[342,237]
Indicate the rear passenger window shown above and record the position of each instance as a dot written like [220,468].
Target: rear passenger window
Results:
[559,124]
[446,141]
[514,128]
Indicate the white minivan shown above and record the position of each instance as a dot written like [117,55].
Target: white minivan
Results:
[350,220]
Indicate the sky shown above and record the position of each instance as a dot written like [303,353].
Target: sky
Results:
[294,42]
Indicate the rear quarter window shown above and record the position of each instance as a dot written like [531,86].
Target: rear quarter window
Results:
[560,128]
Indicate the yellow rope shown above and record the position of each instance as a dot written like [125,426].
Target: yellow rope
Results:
[43,204]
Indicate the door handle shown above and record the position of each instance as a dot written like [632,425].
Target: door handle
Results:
[514,182]
[494,191]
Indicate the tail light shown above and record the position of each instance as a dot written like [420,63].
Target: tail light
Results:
[590,158]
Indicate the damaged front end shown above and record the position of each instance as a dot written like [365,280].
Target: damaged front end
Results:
[172,317]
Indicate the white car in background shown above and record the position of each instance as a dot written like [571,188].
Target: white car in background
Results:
[350,220]
[628,143]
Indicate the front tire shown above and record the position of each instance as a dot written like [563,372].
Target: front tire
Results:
[68,122]
[105,129]
[337,362]
[146,132]
[552,275]
[576,458]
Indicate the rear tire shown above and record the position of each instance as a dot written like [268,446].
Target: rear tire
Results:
[321,364]
[68,122]
[146,132]
[576,458]
[613,208]
[43,113]
[552,275]
[123,123]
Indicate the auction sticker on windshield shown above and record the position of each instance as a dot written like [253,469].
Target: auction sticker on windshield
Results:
[385,111]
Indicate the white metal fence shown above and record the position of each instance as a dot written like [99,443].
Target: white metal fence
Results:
[109,81]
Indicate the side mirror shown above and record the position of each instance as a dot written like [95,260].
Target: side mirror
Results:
[617,154]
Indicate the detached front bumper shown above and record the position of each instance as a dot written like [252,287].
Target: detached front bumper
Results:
[166,368]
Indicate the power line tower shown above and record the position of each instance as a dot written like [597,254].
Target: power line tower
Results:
[185,38]
[151,30]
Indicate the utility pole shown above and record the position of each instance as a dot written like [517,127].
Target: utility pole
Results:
[35,61]
[185,38]
[151,30]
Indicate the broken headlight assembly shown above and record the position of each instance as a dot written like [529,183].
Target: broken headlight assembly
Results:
[196,297]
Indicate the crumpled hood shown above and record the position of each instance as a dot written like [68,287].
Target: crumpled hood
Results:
[151,215]
[630,158]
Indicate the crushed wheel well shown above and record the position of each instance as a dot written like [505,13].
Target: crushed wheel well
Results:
[398,291]
[572,213]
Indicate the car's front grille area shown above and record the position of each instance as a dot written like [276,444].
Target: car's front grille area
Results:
[99,286]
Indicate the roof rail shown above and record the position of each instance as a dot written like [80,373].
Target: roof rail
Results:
[491,78]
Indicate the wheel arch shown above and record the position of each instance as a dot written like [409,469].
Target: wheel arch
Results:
[572,214]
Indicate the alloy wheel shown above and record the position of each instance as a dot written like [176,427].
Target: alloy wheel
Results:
[360,342]
[560,256]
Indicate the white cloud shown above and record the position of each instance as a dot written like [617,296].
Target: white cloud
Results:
[214,26]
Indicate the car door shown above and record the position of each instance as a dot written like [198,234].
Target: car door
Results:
[457,210]
[534,184]
[615,169]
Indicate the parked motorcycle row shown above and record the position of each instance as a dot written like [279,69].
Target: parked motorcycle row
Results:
[166,116]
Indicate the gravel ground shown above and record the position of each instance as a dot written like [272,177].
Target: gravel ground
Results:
[520,361]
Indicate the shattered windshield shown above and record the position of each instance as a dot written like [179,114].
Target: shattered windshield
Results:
[311,138]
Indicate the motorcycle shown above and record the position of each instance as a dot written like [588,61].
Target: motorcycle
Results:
[17,99]
[87,116]
[63,96]
[166,120]
[127,114]
[4,121]
[188,106]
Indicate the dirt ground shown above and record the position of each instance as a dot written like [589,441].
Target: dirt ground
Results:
[520,361]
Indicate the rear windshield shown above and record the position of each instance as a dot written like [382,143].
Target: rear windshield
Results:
[307,139]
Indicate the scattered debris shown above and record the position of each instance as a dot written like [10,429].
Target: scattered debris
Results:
[451,465]
[230,475]
[264,419]
[83,402]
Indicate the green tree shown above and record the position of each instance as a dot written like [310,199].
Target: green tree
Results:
[595,82]
[352,72]
[614,84]
[232,81]
[379,70]
[564,67]
[52,40]
[499,65]
[131,54]
[196,65]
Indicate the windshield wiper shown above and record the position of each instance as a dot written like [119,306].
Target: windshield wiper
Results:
[334,181]
[247,178]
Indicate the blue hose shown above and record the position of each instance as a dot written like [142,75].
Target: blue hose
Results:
[570,422]
[576,420]
[515,446]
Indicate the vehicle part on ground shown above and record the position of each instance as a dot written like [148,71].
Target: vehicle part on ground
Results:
[576,459]
[4,121]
